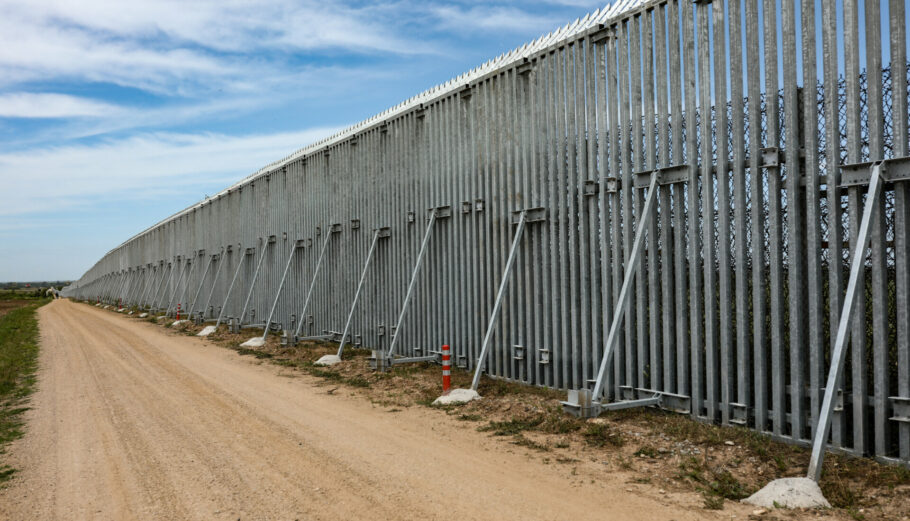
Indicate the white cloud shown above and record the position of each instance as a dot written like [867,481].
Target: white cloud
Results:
[49,105]
[182,48]
[485,17]
[36,180]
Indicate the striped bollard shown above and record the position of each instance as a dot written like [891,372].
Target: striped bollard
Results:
[446,370]
[178,311]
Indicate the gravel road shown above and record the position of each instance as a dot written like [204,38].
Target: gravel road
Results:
[133,422]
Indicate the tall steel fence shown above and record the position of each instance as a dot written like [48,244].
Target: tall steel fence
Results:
[753,125]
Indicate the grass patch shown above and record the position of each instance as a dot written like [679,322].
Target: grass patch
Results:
[601,435]
[18,362]
[713,502]
[511,427]
[723,484]
[252,352]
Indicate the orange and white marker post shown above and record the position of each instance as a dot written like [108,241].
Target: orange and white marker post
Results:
[178,311]
[446,369]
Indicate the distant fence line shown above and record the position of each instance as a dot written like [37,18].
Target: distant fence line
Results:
[737,298]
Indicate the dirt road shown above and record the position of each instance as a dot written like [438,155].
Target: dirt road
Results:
[131,422]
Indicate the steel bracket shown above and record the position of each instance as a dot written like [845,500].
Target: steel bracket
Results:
[532,215]
[613,184]
[442,212]
[414,359]
[314,337]
[580,403]
[859,174]
[334,336]
[478,205]
[379,361]
[602,34]
[250,251]
[384,232]
[272,239]
[770,157]
[901,408]
[665,176]
[543,356]
[355,224]
[380,330]
[466,207]
[740,414]
[411,217]
[335,228]
[590,188]
[631,404]
[525,67]
[518,352]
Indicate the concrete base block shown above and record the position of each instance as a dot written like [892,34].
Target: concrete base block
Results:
[328,360]
[206,331]
[457,396]
[178,322]
[256,341]
[143,315]
[789,493]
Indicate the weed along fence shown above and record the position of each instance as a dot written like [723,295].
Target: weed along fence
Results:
[709,169]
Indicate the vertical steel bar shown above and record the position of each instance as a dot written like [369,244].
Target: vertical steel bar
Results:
[899,131]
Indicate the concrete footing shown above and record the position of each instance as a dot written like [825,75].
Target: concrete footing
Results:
[206,331]
[328,360]
[457,396]
[256,341]
[789,493]
[143,315]
[178,322]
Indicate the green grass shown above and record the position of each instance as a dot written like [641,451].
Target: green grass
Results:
[18,362]
[511,427]
[36,294]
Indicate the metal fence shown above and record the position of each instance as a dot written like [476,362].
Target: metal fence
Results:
[757,203]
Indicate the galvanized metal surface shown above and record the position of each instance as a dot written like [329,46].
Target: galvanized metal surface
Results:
[734,306]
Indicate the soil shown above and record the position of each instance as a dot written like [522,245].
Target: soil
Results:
[8,305]
[133,420]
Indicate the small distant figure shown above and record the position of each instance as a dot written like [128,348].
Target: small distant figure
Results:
[52,292]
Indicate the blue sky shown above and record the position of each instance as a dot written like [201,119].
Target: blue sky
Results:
[114,115]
